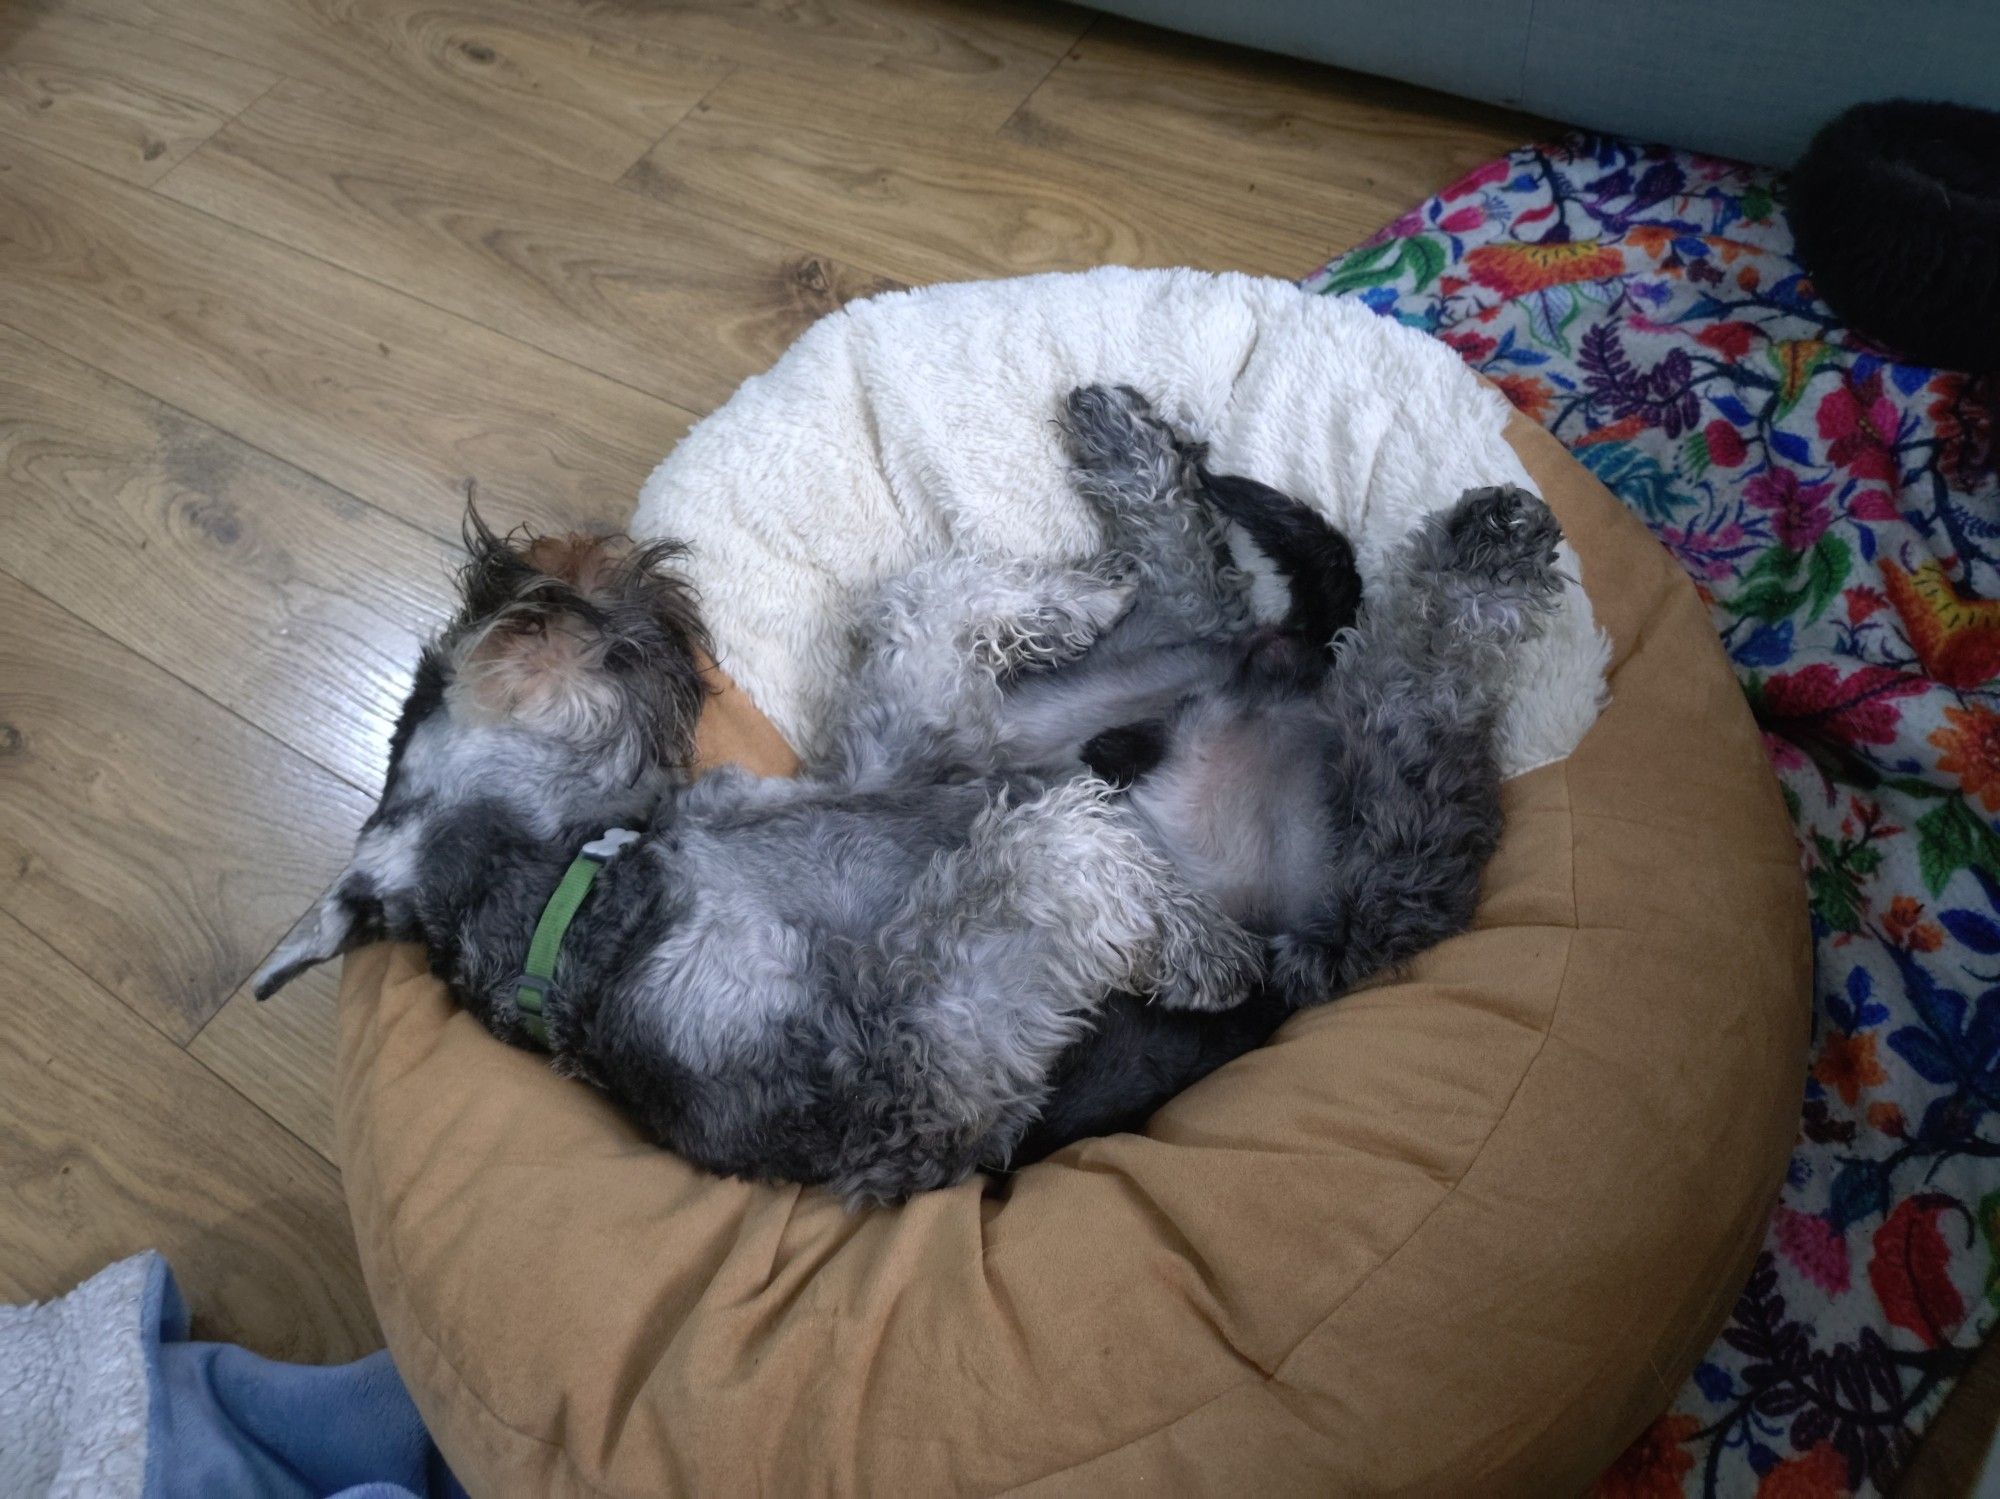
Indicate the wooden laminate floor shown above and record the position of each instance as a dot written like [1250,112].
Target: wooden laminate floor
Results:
[278,278]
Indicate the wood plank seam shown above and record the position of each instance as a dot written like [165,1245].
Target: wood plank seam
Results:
[155,184]
[1028,98]
[654,144]
[394,291]
[327,764]
[375,286]
[113,645]
[149,1021]
[228,1083]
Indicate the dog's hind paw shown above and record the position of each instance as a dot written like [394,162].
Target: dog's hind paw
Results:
[1499,541]
[1483,572]
[1502,532]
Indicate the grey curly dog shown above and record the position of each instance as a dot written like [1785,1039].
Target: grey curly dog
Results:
[869,976]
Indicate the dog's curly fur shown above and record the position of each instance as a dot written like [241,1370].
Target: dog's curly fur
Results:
[1332,783]
[1341,803]
[867,976]
[861,977]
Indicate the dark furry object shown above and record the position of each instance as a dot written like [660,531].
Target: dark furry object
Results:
[1137,1057]
[1316,561]
[1896,210]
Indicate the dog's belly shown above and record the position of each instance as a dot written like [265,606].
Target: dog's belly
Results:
[1235,806]
[1049,716]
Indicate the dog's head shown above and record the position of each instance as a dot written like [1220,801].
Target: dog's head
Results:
[564,691]
[590,643]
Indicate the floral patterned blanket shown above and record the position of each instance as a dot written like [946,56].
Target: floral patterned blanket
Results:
[1840,513]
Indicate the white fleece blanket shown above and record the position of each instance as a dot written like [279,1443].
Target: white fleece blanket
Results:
[916,422]
[75,1389]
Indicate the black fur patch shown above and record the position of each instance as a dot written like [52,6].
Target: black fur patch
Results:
[1315,560]
[1137,1057]
[426,694]
[1124,754]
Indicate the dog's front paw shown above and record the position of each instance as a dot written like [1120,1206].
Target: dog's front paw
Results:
[1210,966]
[1097,598]
[1072,610]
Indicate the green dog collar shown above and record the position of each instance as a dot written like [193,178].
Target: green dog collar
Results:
[531,990]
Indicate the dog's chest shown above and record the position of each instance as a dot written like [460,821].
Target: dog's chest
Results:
[746,952]
[715,989]
[771,915]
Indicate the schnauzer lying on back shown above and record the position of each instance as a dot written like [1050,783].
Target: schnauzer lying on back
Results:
[1340,804]
[859,978]
[866,976]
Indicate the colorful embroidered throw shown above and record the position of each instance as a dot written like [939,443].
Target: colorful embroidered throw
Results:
[1840,513]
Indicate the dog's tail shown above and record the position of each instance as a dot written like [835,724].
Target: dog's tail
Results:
[1314,559]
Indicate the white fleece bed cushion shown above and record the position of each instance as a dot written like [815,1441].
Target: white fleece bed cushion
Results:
[917,422]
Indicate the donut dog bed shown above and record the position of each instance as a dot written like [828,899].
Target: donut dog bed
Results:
[1466,1229]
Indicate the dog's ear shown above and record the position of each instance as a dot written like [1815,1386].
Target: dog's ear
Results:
[338,922]
[496,573]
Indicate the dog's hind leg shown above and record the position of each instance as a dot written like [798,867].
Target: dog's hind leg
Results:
[1468,586]
[994,966]
[1407,724]
[941,644]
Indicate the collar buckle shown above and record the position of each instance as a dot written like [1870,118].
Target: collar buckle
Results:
[606,848]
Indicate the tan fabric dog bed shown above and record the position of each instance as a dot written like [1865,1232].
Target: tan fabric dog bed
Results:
[1463,1232]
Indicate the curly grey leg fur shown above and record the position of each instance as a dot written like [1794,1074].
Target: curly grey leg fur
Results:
[1004,950]
[1409,714]
[941,643]
[1190,603]
[1146,484]
[1473,584]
